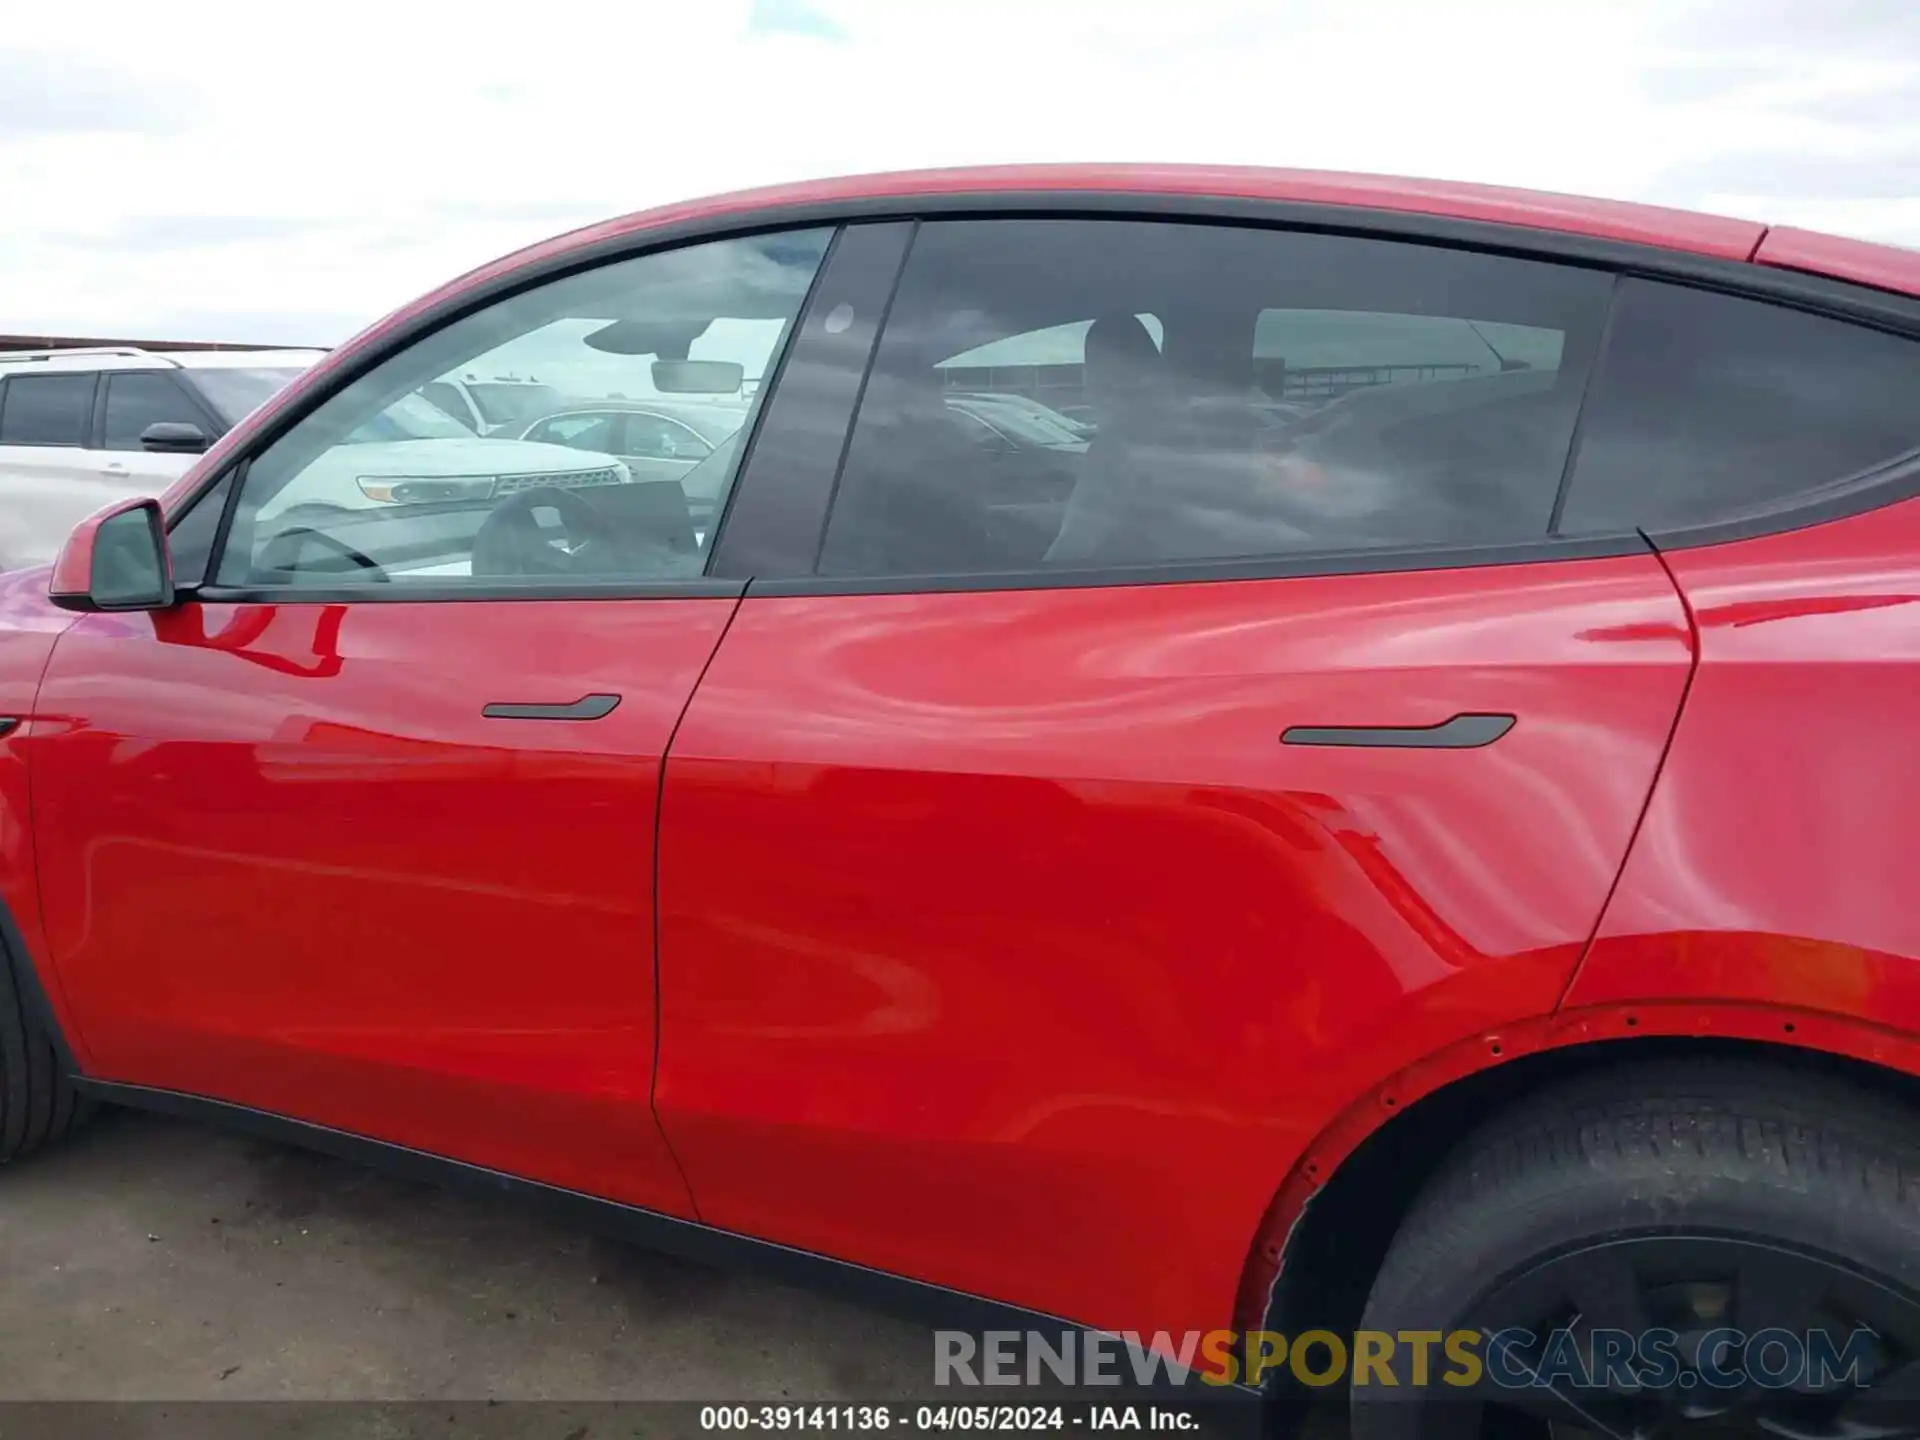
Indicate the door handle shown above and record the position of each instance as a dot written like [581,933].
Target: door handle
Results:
[587,707]
[1462,732]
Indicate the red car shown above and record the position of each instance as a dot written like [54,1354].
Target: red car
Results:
[1402,818]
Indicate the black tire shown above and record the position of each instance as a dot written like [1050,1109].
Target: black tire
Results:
[1788,1159]
[38,1103]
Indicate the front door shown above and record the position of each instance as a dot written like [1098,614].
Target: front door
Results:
[363,831]
[1107,814]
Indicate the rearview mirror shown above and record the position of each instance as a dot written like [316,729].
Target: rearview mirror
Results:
[115,560]
[173,437]
[698,377]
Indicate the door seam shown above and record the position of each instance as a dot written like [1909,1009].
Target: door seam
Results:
[1659,773]
[659,810]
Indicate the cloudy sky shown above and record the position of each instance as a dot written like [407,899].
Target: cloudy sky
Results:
[287,173]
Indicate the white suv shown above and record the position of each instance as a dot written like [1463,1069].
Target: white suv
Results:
[85,426]
[80,428]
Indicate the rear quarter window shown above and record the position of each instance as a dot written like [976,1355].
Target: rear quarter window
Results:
[1709,408]
[47,409]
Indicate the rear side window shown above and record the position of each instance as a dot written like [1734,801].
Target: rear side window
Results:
[1708,406]
[139,398]
[658,438]
[47,409]
[1083,393]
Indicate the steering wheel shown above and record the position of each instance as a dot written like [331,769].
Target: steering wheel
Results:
[513,543]
[289,543]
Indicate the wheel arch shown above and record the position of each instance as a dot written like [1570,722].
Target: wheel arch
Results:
[1326,1231]
[17,967]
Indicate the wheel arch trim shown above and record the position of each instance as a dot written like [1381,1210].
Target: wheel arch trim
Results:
[17,957]
[1609,1032]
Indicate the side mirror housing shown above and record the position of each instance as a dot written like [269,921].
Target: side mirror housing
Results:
[174,437]
[115,560]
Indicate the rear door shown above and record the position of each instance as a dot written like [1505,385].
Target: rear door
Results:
[1044,867]
[362,832]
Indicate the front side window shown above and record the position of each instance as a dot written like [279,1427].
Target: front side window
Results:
[47,409]
[1155,392]
[1710,406]
[139,398]
[377,486]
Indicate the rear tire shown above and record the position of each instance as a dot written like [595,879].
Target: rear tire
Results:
[1792,1194]
[38,1103]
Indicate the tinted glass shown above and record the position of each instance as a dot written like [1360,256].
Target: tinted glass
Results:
[774,527]
[1066,393]
[378,487]
[1708,405]
[190,537]
[139,398]
[47,410]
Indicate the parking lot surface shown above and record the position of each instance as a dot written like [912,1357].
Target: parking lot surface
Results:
[154,1263]
[150,1259]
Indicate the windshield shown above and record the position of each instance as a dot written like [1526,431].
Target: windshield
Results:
[502,404]
[236,393]
[411,417]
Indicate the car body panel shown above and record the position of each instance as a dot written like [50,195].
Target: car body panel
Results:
[1776,860]
[1887,267]
[286,862]
[29,627]
[957,936]
[1001,942]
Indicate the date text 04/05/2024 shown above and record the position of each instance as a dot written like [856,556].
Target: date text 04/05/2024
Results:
[816,1418]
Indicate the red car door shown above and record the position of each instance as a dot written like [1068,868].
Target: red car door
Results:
[363,832]
[1101,818]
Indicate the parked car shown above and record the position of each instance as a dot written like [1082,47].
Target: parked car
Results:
[409,453]
[80,427]
[1475,903]
[495,406]
[658,440]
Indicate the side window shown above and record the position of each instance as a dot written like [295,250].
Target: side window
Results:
[1163,392]
[377,487]
[589,431]
[1706,406]
[658,438]
[47,409]
[139,398]
[190,537]
[447,400]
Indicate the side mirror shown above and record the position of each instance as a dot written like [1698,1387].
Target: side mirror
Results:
[174,437]
[115,560]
